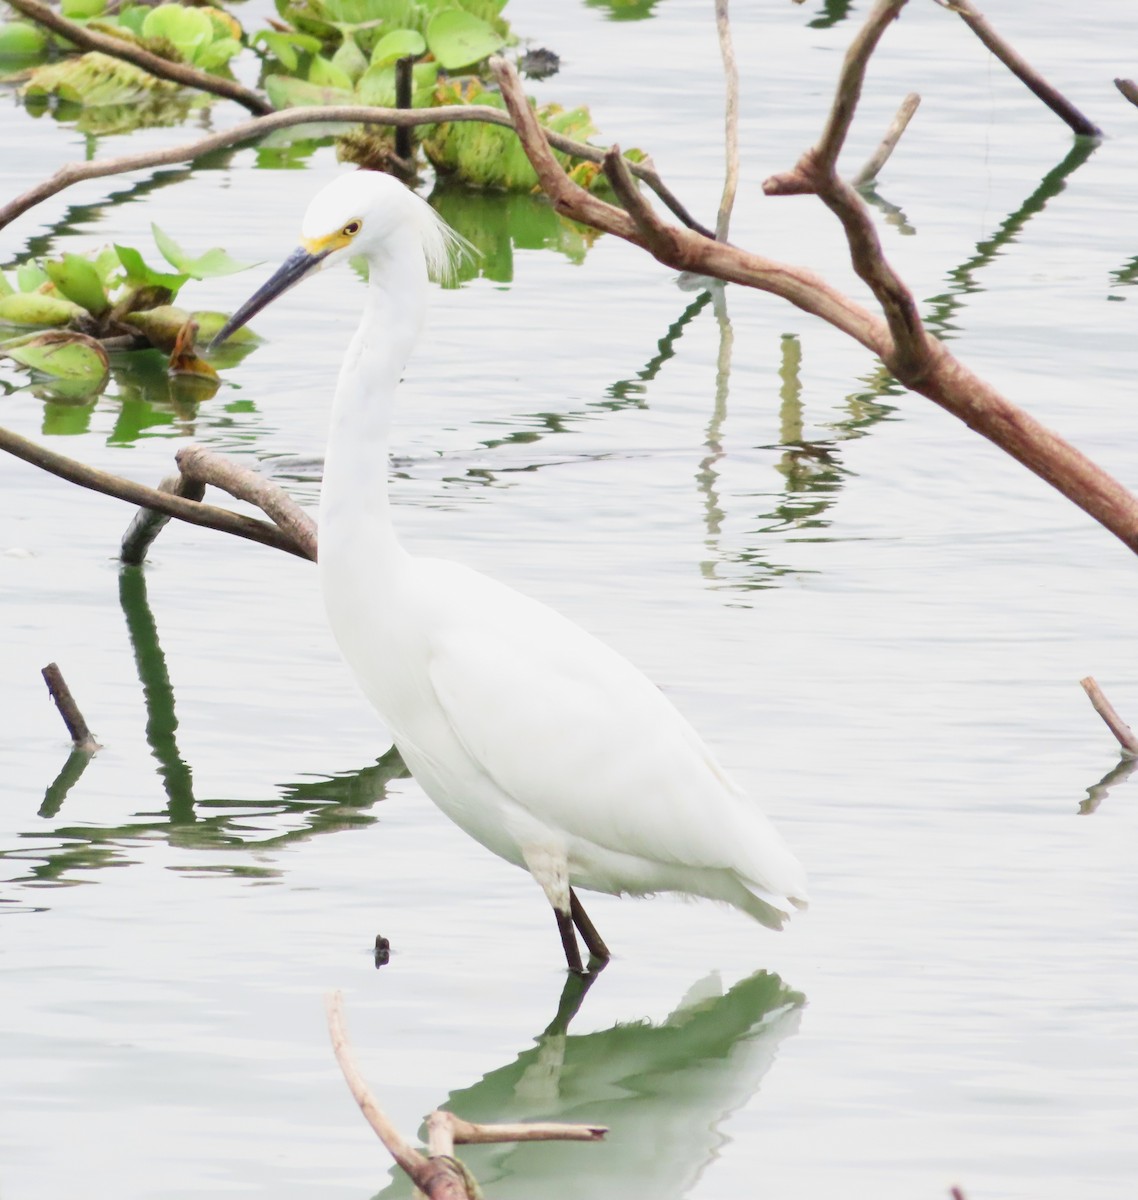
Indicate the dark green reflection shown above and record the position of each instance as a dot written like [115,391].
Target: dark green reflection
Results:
[962,279]
[663,1090]
[499,223]
[833,13]
[624,10]
[297,810]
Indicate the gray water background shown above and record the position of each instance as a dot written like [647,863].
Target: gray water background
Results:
[877,620]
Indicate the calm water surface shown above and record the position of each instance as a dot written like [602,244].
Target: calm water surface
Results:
[877,620]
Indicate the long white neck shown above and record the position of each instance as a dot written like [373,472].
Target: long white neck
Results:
[355,518]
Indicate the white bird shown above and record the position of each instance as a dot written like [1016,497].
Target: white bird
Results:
[538,740]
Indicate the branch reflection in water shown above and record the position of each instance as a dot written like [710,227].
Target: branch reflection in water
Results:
[664,1091]
[304,808]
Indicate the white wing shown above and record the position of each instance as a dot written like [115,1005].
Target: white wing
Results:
[578,737]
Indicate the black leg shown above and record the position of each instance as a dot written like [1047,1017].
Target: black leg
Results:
[587,930]
[569,942]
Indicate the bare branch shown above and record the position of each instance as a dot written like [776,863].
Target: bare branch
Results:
[730,120]
[163,68]
[148,523]
[467,1133]
[933,371]
[435,1177]
[1125,735]
[350,114]
[1128,88]
[204,466]
[1021,68]
[137,493]
[881,155]
[69,710]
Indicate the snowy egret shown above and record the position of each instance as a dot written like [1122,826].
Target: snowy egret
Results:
[538,740]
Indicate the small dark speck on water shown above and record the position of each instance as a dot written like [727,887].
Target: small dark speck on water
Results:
[382,951]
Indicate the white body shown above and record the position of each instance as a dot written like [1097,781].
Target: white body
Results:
[538,740]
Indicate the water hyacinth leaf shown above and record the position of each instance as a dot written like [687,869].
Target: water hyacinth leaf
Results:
[287,47]
[217,54]
[63,355]
[107,265]
[458,39]
[160,325]
[30,276]
[377,85]
[399,43]
[140,275]
[324,73]
[21,39]
[78,280]
[37,308]
[185,28]
[81,10]
[95,79]
[350,59]
[6,289]
[285,92]
[209,265]
[209,325]
[225,25]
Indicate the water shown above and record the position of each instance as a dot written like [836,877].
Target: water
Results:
[877,620]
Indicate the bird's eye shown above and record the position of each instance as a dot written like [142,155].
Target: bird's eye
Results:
[351,229]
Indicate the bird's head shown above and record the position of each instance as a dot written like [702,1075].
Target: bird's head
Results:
[362,214]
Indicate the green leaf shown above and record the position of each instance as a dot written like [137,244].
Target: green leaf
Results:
[285,92]
[36,308]
[21,39]
[397,44]
[6,289]
[78,280]
[325,73]
[216,54]
[96,79]
[350,59]
[138,274]
[30,276]
[457,39]
[209,265]
[377,85]
[64,355]
[80,10]
[187,28]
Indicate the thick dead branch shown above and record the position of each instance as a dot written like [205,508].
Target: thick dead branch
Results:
[1021,68]
[204,466]
[730,120]
[350,114]
[1128,88]
[1125,735]
[467,1133]
[69,710]
[933,372]
[148,523]
[137,493]
[882,154]
[163,68]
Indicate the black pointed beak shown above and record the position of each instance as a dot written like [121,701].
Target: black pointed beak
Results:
[299,265]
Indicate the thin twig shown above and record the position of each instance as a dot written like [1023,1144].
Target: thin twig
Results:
[205,515]
[208,467]
[467,1133]
[349,114]
[1021,68]
[163,68]
[435,1177]
[730,121]
[148,523]
[881,155]
[1128,88]
[1125,735]
[69,710]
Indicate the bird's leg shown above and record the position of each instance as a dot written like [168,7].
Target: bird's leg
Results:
[588,931]
[569,941]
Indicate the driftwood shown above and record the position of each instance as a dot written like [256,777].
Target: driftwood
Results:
[438,1174]
[1127,742]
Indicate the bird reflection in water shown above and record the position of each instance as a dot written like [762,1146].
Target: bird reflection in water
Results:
[663,1090]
